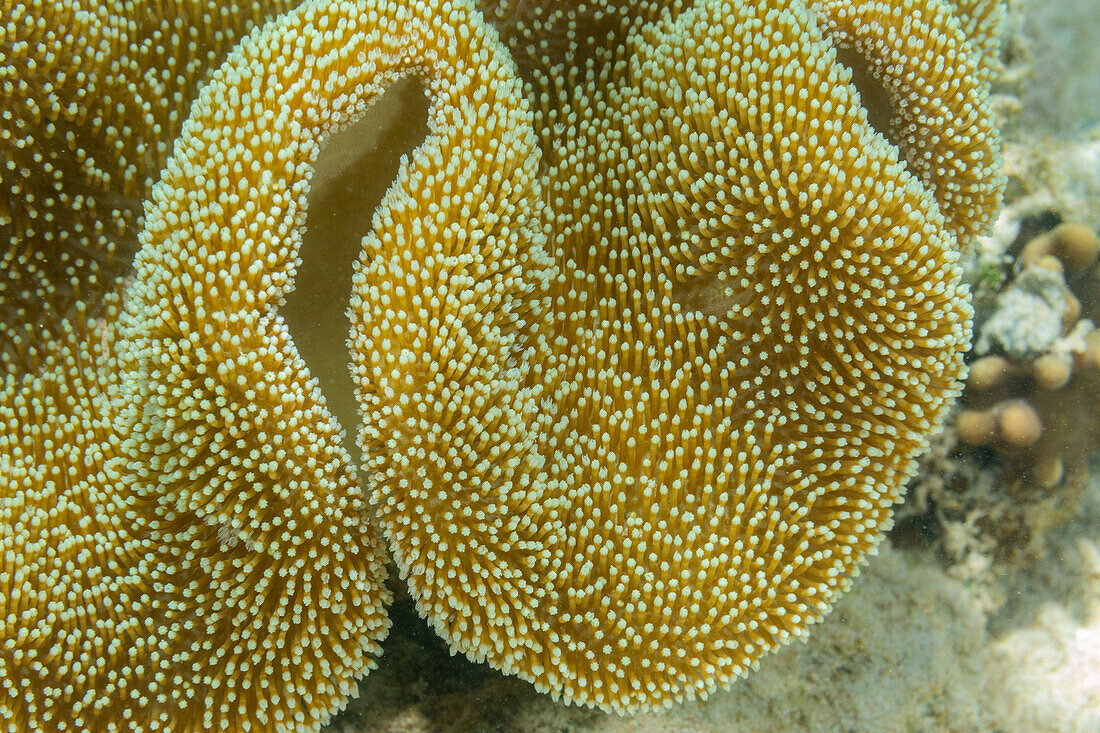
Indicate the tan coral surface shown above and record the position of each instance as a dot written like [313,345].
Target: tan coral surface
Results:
[634,415]
[936,106]
[125,609]
[92,94]
[190,493]
[629,493]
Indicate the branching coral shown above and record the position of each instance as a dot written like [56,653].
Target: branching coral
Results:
[92,93]
[1032,399]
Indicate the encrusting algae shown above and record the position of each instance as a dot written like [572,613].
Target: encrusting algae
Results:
[642,364]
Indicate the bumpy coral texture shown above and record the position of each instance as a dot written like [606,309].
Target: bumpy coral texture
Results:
[982,22]
[190,548]
[936,100]
[554,38]
[923,69]
[92,93]
[635,409]
[125,608]
[634,490]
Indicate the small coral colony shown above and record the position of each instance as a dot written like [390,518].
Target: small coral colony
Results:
[646,335]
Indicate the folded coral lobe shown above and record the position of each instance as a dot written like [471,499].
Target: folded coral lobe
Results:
[75,581]
[935,85]
[189,546]
[678,455]
[230,430]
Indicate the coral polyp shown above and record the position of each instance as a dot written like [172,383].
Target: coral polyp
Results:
[642,362]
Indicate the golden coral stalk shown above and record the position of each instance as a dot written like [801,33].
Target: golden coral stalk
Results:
[631,492]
